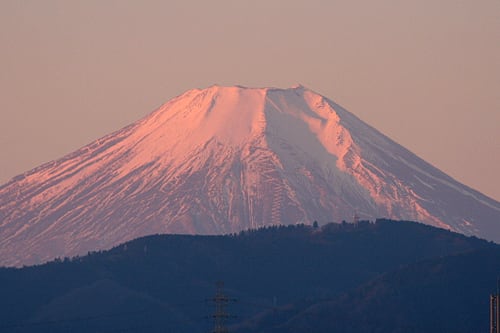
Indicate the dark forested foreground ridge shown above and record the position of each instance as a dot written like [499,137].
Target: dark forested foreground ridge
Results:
[373,277]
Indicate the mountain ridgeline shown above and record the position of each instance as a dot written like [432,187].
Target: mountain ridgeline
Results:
[369,277]
[225,159]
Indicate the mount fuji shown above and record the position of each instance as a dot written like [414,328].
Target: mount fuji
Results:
[225,159]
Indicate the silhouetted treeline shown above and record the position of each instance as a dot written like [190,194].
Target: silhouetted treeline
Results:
[160,283]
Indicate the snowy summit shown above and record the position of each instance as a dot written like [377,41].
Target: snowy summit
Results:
[225,159]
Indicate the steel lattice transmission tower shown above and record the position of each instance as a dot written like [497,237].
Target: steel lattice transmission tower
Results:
[221,316]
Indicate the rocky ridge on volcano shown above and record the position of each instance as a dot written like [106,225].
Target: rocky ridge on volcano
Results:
[222,160]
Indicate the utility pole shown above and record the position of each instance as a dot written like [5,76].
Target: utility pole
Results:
[220,316]
[355,219]
[495,310]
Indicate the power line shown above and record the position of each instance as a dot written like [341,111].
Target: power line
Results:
[220,316]
[77,319]
[88,318]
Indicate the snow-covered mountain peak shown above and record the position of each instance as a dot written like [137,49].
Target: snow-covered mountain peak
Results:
[224,159]
[234,115]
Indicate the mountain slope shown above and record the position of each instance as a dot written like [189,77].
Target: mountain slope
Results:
[448,294]
[225,159]
[163,281]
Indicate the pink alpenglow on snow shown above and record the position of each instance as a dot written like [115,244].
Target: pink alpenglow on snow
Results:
[225,159]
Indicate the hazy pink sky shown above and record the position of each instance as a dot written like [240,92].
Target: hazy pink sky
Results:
[425,73]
